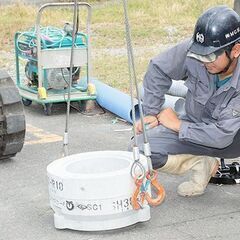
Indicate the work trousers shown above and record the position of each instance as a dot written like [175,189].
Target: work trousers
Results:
[164,142]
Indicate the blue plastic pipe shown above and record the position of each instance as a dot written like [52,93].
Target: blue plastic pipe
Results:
[115,101]
[119,103]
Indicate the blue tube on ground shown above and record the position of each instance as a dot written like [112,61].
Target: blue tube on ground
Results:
[115,101]
[119,103]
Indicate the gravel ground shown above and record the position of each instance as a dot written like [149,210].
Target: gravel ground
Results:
[7,61]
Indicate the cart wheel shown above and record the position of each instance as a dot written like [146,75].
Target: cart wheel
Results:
[81,105]
[26,102]
[48,109]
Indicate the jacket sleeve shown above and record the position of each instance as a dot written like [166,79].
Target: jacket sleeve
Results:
[219,134]
[158,78]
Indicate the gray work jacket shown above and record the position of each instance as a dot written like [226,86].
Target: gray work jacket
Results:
[212,115]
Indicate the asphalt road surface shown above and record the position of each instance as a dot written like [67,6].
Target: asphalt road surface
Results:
[25,213]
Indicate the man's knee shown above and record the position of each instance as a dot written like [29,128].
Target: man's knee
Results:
[158,160]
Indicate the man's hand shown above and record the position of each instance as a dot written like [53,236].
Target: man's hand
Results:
[151,121]
[168,118]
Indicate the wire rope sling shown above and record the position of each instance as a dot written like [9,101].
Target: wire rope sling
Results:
[143,179]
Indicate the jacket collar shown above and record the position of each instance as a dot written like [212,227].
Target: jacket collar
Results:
[235,82]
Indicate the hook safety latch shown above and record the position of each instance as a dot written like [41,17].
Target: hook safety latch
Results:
[144,195]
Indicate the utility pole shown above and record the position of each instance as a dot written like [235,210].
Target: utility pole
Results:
[236,6]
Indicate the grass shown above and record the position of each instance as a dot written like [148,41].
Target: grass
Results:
[154,25]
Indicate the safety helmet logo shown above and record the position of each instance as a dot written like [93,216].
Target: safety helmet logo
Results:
[200,37]
[232,33]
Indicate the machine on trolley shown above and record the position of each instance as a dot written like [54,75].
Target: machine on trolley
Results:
[43,59]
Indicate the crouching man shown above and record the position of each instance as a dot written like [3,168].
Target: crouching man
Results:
[210,128]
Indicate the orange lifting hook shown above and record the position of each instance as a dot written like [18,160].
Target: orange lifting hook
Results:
[135,204]
[144,195]
[158,189]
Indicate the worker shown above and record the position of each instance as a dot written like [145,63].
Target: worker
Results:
[209,129]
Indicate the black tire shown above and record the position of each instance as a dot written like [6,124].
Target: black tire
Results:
[26,102]
[47,109]
[12,119]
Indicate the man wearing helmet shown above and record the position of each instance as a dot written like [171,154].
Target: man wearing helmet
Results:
[210,128]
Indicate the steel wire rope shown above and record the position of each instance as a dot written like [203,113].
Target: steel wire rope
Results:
[133,81]
[74,32]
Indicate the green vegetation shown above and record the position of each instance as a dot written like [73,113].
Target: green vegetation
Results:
[154,25]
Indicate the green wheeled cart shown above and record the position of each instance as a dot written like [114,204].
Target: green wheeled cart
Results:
[43,60]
